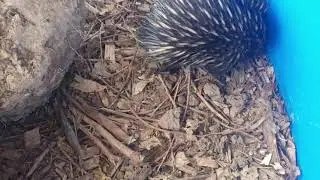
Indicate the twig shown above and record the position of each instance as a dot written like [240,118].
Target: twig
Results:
[153,127]
[230,131]
[195,110]
[116,168]
[134,156]
[165,155]
[70,134]
[188,74]
[250,127]
[256,124]
[61,173]
[71,160]
[123,87]
[167,91]
[177,88]
[42,172]
[215,112]
[127,79]
[198,177]
[270,137]
[100,118]
[112,158]
[39,159]
[126,115]
[158,107]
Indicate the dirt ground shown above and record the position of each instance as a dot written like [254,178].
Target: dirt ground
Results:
[112,118]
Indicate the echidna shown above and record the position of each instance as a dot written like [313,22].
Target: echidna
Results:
[211,34]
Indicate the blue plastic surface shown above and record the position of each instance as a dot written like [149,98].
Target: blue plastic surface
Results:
[296,57]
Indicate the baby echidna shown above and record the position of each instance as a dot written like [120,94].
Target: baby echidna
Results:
[211,34]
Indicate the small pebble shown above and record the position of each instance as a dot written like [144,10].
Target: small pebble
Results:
[181,100]
[262,151]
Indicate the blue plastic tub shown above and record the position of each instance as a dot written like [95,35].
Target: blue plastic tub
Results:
[296,57]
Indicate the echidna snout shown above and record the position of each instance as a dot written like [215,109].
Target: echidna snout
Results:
[212,34]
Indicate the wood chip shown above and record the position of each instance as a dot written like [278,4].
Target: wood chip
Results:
[100,69]
[61,173]
[109,53]
[91,163]
[150,143]
[139,87]
[144,8]
[181,159]
[277,166]
[171,119]
[107,8]
[12,155]
[104,99]
[86,85]
[212,90]
[32,138]
[128,51]
[266,160]
[207,162]
[112,158]
[249,173]
[90,152]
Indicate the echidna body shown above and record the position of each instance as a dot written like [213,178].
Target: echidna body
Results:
[212,34]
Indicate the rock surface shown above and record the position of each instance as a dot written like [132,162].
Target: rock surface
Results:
[37,43]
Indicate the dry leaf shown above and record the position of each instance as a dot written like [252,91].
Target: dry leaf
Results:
[100,69]
[99,10]
[11,154]
[212,91]
[91,163]
[61,173]
[160,177]
[193,101]
[249,173]
[224,173]
[207,162]
[100,174]
[90,152]
[107,8]
[189,135]
[59,164]
[266,160]
[146,134]
[191,126]
[139,87]
[123,104]
[150,143]
[188,170]
[86,85]
[237,104]
[171,119]
[104,99]
[212,177]
[128,51]
[91,8]
[291,150]
[277,166]
[32,138]
[181,159]
[86,177]
[144,8]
